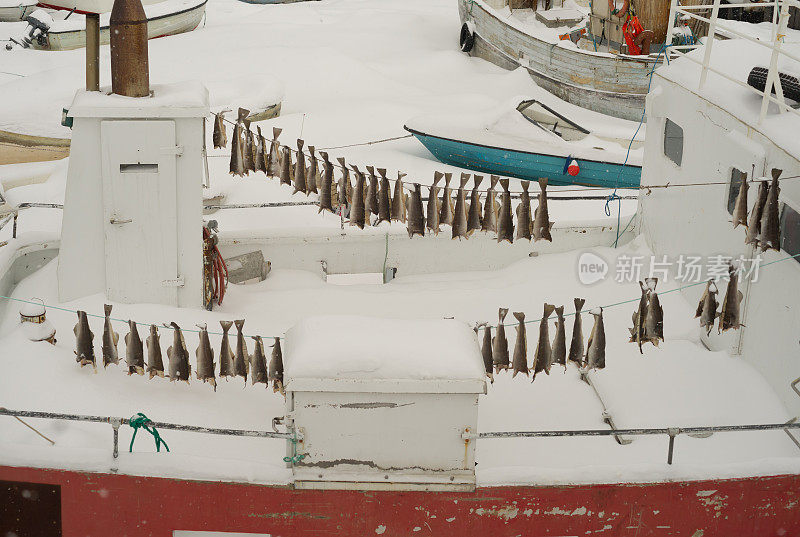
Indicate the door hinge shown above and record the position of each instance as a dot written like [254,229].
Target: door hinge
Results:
[174,282]
[176,150]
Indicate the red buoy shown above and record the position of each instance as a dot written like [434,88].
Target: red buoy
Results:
[573,169]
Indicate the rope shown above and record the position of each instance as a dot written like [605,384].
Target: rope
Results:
[367,143]
[140,421]
[295,457]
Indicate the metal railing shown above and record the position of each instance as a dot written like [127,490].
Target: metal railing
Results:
[779,25]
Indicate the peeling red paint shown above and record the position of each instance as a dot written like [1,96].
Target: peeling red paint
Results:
[141,506]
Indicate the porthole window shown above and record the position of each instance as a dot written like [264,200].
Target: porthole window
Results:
[790,231]
[737,177]
[673,142]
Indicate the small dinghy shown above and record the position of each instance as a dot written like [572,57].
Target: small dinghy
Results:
[16,10]
[530,141]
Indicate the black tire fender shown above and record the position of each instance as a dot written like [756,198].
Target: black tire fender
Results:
[466,38]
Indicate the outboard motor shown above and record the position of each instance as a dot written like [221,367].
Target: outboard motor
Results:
[39,23]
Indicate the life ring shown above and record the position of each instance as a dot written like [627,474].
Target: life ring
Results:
[466,38]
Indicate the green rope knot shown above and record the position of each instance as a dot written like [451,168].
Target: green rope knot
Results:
[141,421]
[295,457]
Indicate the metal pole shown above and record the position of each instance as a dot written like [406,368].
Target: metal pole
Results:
[115,423]
[92,52]
[712,30]
[672,434]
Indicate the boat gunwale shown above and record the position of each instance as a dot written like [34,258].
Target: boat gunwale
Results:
[156,18]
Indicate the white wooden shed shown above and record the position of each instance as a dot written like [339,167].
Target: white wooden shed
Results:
[382,403]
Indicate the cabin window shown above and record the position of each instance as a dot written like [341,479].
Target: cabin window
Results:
[673,142]
[737,177]
[790,231]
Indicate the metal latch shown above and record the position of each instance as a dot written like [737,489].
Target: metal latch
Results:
[174,282]
[176,150]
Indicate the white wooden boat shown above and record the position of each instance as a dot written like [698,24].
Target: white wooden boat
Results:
[603,81]
[16,10]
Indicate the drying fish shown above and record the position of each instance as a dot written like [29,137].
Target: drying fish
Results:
[358,214]
[84,341]
[238,143]
[576,345]
[740,209]
[220,137]
[384,199]
[260,375]
[707,308]
[300,170]
[541,219]
[134,350]
[524,222]
[486,350]
[560,341]
[399,200]
[446,212]
[286,166]
[654,320]
[459,223]
[371,197]
[543,358]
[249,148]
[637,332]
[276,367]
[754,226]
[500,343]
[241,361]
[313,179]
[110,339]
[433,209]
[273,156]
[520,363]
[416,220]
[596,353]
[205,358]
[155,364]
[179,367]
[225,352]
[770,219]
[326,192]
[474,216]
[505,222]
[490,208]
[729,317]
[344,190]
[261,152]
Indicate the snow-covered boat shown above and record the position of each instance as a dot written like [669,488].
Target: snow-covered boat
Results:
[529,140]
[16,10]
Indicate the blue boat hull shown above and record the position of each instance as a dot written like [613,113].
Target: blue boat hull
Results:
[529,166]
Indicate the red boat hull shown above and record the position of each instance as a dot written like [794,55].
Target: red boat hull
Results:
[95,504]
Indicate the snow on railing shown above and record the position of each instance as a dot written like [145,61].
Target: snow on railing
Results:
[779,26]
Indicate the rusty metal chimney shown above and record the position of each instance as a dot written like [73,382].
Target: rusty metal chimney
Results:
[130,73]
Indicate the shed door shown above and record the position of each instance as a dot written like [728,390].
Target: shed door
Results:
[139,209]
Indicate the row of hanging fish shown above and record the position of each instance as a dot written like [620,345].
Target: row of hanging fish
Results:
[763,225]
[496,356]
[372,200]
[238,363]
[730,315]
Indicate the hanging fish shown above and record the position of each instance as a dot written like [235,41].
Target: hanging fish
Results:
[459,223]
[740,209]
[707,308]
[447,213]
[490,209]
[384,199]
[433,210]
[84,341]
[654,320]
[286,166]
[344,190]
[110,339]
[326,193]
[543,358]
[524,222]
[730,316]
[273,156]
[399,200]
[770,219]
[520,363]
[249,148]
[416,220]
[560,341]
[576,349]
[225,353]
[505,222]
[134,350]
[358,214]
[300,170]
[205,358]
[261,151]
[313,179]
[371,196]
[179,367]
[754,226]
[500,343]
[474,216]
[155,364]
[241,361]
[637,332]
[260,375]
[276,367]
[238,165]
[541,219]
[486,350]
[220,137]
[596,353]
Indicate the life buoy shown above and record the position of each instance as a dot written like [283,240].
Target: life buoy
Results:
[466,39]
[636,37]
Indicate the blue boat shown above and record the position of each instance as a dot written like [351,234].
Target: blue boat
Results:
[562,142]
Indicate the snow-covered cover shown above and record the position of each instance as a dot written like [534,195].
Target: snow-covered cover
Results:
[16,3]
[177,100]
